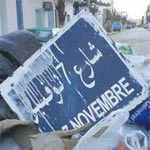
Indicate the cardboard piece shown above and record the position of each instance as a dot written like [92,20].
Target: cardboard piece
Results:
[58,140]
[14,134]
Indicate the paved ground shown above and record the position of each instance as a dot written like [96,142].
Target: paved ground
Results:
[139,38]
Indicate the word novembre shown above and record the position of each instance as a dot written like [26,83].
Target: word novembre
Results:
[103,104]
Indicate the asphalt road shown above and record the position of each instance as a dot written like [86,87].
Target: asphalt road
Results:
[138,38]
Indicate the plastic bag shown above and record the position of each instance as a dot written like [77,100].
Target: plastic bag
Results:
[135,136]
[136,140]
[104,135]
[141,114]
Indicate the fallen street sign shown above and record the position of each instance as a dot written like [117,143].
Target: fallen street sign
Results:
[77,77]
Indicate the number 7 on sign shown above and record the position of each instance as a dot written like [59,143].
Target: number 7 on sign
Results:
[61,66]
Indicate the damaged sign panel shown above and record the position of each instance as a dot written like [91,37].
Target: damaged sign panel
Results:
[77,77]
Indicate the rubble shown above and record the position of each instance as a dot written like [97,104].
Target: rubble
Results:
[14,51]
[126,49]
[74,91]
[19,46]
[142,112]
[58,140]
[112,133]
[14,134]
[71,81]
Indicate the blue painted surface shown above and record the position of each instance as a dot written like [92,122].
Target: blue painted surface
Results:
[64,82]
[19,14]
[141,114]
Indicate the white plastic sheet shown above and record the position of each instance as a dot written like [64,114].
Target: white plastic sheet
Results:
[104,135]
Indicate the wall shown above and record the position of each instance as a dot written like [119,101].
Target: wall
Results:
[0,25]
[102,10]
[29,13]
[8,16]
[11,15]
[99,14]
[30,9]
[3,20]
[69,9]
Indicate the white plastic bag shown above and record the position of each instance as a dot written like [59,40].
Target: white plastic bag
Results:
[136,140]
[134,136]
[104,135]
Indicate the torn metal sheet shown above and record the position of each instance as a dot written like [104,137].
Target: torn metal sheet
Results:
[77,77]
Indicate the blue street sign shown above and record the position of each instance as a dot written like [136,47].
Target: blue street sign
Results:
[77,77]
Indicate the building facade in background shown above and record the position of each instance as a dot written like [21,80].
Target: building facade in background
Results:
[23,14]
[8,16]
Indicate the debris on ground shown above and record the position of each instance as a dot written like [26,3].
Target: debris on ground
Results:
[114,133]
[15,49]
[74,91]
[14,134]
[58,140]
[78,77]
[126,49]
